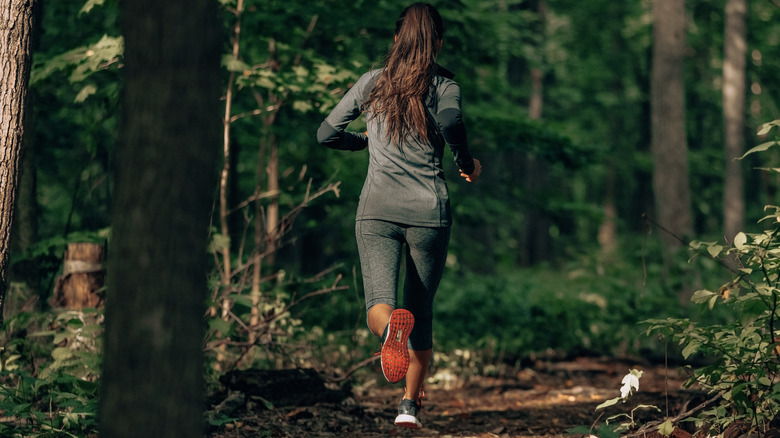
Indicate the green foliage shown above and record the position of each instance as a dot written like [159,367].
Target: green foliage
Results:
[595,306]
[50,378]
[82,60]
[71,129]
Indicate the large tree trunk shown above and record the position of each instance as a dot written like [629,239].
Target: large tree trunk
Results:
[16,23]
[166,172]
[669,144]
[735,52]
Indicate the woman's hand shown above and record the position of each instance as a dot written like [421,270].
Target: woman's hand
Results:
[473,176]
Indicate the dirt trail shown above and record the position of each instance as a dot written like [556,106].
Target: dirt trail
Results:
[541,401]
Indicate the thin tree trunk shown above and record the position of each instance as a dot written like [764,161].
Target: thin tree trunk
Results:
[16,24]
[272,212]
[226,151]
[669,144]
[734,59]
[538,241]
[272,169]
[260,245]
[607,234]
[152,383]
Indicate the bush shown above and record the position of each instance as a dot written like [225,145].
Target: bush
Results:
[50,388]
[741,355]
[585,307]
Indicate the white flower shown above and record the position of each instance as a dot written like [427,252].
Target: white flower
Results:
[631,380]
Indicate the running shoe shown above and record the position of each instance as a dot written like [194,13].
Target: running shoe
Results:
[395,353]
[408,414]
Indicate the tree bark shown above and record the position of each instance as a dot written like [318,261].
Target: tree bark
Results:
[734,59]
[166,157]
[669,144]
[16,24]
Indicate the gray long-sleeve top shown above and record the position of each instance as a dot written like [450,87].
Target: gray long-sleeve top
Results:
[405,183]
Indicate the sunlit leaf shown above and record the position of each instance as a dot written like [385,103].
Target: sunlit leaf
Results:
[766,127]
[760,148]
[666,428]
[608,403]
[702,295]
[302,106]
[739,240]
[89,5]
[231,63]
[714,250]
[85,92]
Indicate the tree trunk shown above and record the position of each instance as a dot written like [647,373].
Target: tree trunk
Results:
[166,172]
[81,283]
[669,144]
[538,244]
[259,241]
[16,23]
[735,52]
[272,231]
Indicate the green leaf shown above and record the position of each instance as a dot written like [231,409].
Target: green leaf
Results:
[62,354]
[300,71]
[59,337]
[711,303]
[579,430]
[86,91]
[691,348]
[760,148]
[302,106]
[221,326]
[608,403]
[219,242]
[766,127]
[714,250]
[666,428]
[606,431]
[89,5]
[739,240]
[231,63]
[702,295]
[241,300]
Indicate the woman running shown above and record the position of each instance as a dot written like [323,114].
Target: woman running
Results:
[413,107]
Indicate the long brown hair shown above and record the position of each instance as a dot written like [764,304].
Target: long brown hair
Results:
[399,95]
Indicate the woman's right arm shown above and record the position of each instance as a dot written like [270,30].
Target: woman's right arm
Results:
[450,120]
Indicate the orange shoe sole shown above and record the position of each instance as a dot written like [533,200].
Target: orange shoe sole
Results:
[395,353]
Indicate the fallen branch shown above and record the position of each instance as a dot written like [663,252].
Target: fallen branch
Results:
[642,431]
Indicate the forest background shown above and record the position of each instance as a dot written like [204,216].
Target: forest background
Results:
[561,248]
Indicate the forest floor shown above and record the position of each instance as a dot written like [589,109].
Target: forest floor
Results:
[542,400]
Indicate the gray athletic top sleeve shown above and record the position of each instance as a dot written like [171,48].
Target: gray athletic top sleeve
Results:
[405,182]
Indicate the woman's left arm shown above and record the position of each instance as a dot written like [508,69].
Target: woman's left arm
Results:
[332,132]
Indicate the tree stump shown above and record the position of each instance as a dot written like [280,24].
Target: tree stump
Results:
[81,284]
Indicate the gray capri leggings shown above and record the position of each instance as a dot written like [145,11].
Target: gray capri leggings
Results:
[379,244]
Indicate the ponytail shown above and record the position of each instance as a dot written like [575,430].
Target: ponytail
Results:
[398,97]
